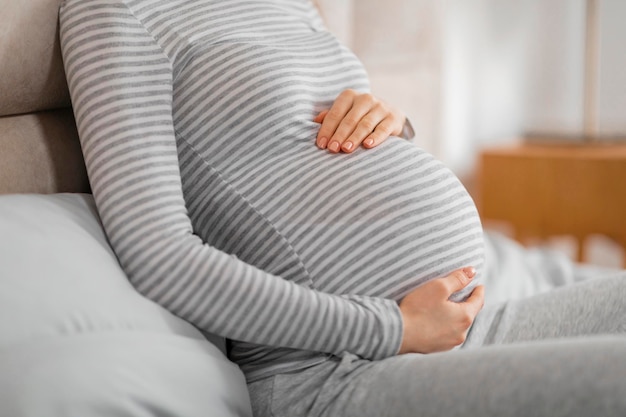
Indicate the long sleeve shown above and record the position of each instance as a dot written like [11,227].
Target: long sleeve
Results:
[121,85]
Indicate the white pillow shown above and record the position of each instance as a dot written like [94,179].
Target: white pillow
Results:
[77,339]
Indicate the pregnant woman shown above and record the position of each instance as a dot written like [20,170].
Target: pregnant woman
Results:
[250,183]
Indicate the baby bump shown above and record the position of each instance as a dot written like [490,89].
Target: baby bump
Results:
[376,222]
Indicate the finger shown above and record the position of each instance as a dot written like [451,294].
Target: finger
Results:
[365,128]
[335,115]
[320,117]
[476,300]
[459,279]
[379,135]
[361,107]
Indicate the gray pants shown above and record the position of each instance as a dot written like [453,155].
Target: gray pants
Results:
[561,353]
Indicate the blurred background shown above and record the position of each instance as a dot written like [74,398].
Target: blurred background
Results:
[477,74]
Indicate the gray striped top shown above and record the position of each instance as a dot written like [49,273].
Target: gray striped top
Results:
[195,120]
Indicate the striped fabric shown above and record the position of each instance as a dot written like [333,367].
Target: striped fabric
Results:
[195,119]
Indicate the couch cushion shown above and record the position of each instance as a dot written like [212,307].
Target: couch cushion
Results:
[30,57]
[40,153]
[76,339]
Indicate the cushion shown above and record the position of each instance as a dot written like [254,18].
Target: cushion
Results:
[77,339]
[33,78]
[40,153]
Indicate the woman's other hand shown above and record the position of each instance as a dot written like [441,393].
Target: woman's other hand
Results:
[433,323]
[356,119]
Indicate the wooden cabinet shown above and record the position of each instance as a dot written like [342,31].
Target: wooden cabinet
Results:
[548,189]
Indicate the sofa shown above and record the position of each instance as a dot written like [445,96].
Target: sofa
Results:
[76,339]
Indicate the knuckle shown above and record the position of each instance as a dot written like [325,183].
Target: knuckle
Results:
[333,116]
[393,118]
[466,320]
[367,124]
[440,287]
[348,93]
[352,120]
[460,277]
[368,100]
[438,284]
[381,107]
[385,126]
[326,134]
[324,131]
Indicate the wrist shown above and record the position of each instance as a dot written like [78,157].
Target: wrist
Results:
[406,342]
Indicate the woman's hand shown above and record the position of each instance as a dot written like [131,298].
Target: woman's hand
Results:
[356,119]
[432,323]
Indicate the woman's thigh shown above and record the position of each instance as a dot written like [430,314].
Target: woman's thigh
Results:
[576,377]
[587,308]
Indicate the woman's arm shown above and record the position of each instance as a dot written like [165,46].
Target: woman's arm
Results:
[121,86]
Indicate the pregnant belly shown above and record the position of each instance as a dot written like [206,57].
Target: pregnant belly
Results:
[376,222]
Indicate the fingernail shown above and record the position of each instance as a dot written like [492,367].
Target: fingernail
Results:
[470,271]
[347,146]
[369,142]
[323,142]
[334,146]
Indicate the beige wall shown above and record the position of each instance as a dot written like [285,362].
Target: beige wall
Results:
[338,16]
[612,81]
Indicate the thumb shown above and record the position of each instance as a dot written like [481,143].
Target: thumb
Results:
[476,300]
[460,278]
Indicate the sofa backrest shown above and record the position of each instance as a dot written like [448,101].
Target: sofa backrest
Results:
[39,148]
